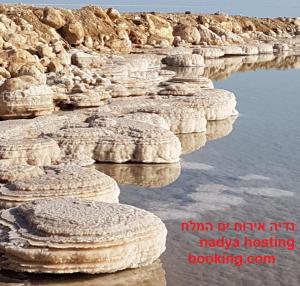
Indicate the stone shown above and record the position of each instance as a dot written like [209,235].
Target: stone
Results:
[193,60]
[233,50]
[281,47]
[187,33]
[108,138]
[71,235]
[73,33]
[143,175]
[159,28]
[53,18]
[209,37]
[60,181]
[113,14]
[23,97]
[250,50]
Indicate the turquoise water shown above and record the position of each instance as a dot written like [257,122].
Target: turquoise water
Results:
[258,8]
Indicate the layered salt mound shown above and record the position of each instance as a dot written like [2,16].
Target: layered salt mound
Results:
[218,104]
[23,97]
[60,181]
[185,60]
[70,235]
[116,139]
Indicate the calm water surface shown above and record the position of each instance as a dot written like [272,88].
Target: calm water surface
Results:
[252,174]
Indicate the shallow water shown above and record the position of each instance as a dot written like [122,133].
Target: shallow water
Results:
[252,174]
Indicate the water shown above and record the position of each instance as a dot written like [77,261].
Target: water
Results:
[258,8]
[252,174]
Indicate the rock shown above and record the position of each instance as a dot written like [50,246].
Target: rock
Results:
[25,97]
[39,151]
[193,60]
[60,181]
[53,18]
[187,33]
[209,52]
[120,45]
[143,175]
[209,37]
[113,14]
[119,140]
[73,33]
[85,60]
[45,51]
[233,50]
[250,50]
[90,237]
[159,28]
[55,66]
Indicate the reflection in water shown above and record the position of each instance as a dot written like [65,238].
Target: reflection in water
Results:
[191,142]
[152,275]
[222,68]
[144,175]
[218,129]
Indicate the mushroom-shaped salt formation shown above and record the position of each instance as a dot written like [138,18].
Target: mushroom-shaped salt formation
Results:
[185,60]
[218,104]
[60,181]
[119,140]
[71,235]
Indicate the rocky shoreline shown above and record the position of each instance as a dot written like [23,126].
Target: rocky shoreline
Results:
[93,85]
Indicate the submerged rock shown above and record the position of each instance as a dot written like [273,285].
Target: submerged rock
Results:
[69,235]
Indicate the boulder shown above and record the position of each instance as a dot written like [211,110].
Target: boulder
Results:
[53,18]
[187,33]
[73,33]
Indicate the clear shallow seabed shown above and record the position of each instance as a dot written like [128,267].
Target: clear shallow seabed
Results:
[258,8]
[250,175]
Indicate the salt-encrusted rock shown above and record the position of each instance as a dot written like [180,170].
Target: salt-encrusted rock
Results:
[180,120]
[218,104]
[233,50]
[119,140]
[193,60]
[144,175]
[191,142]
[113,14]
[25,97]
[90,98]
[41,151]
[209,37]
[250,50]
[82,59]
[150,275]
[281,47]
[265,49]
[188,33]
[70,235]
[209,52]
[60,181]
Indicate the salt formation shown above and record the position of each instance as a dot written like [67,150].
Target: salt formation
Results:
[184,60]
[23,97]
[119,140]
[70,235]
[59,181]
